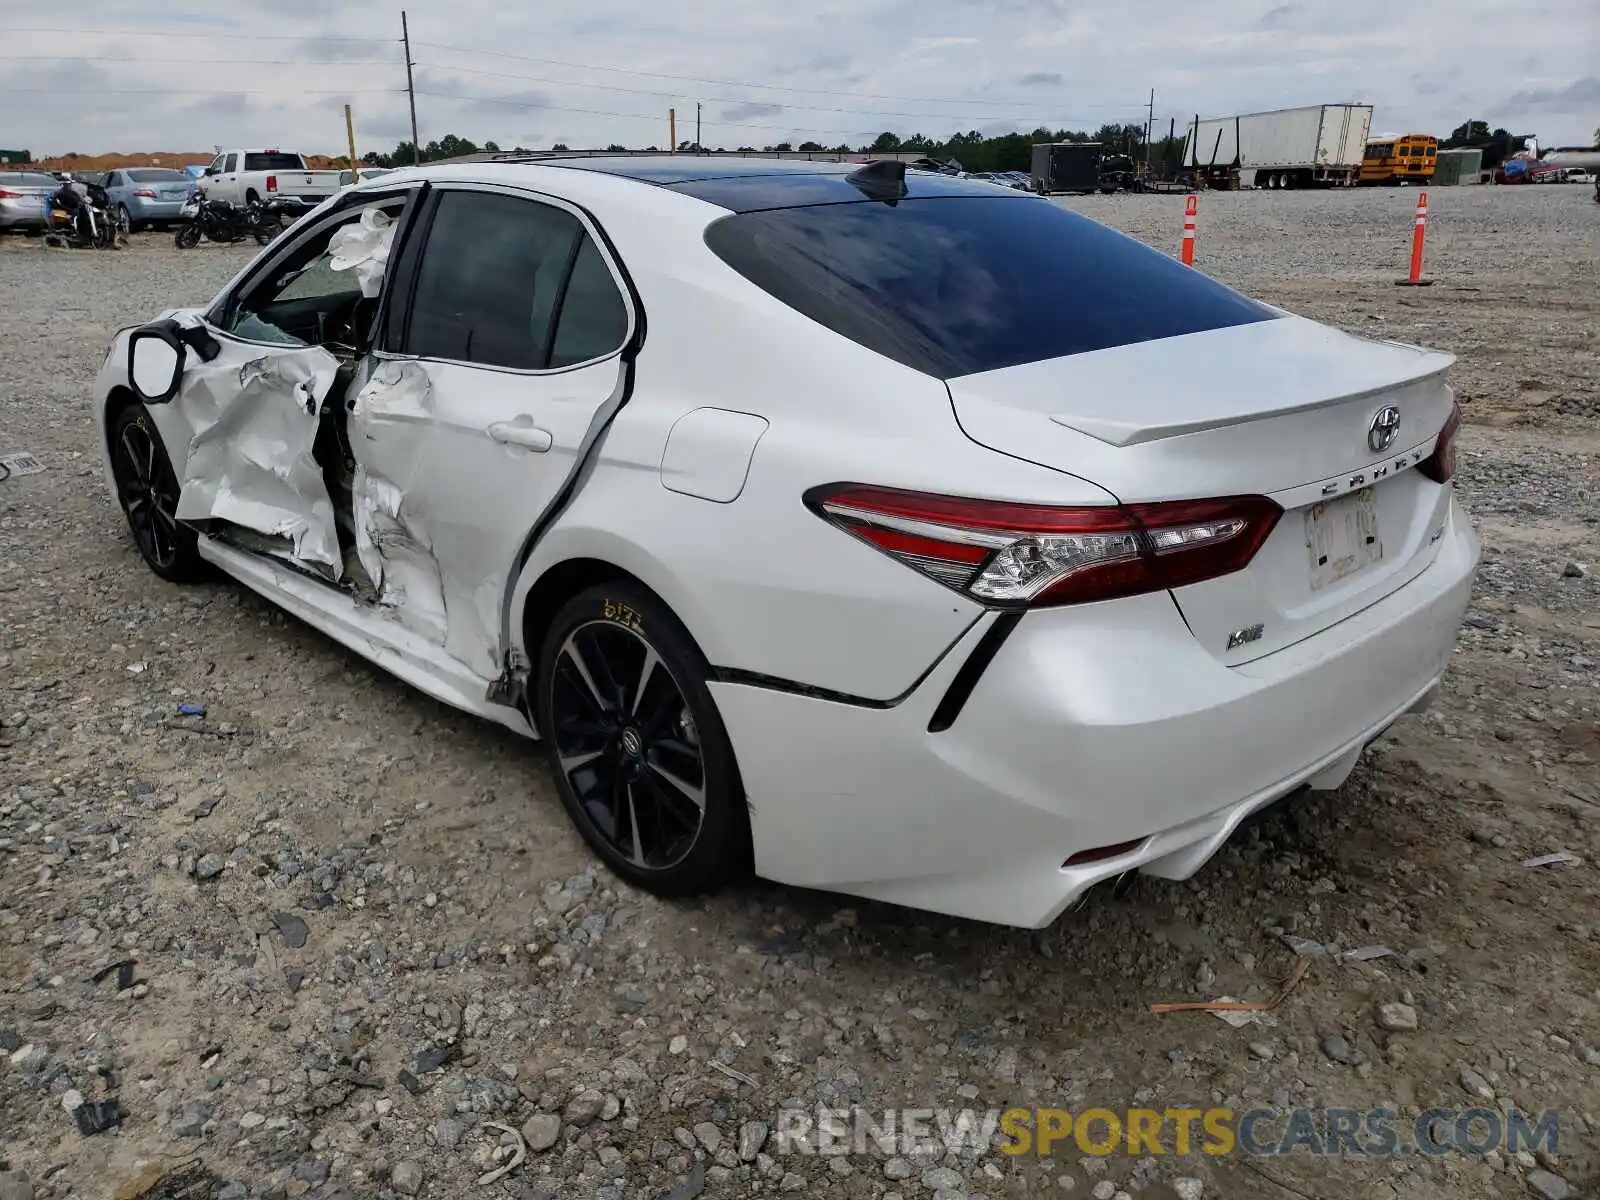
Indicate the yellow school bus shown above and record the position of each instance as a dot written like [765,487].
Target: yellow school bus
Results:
[1404,158]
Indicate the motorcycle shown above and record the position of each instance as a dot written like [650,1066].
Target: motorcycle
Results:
[224,223]
[86,225]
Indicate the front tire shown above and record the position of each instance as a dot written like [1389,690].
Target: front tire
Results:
[641,758]
[187,237]
[147,489]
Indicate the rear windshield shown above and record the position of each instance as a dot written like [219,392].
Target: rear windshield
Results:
[26,179]
[273,162]
[952,286]
[156,175]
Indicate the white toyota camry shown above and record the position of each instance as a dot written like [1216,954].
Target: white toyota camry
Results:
[887,532]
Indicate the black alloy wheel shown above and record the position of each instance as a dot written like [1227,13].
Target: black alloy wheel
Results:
[643,763]
[147,489]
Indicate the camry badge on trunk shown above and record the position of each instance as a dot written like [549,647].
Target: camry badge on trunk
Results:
[1384,429]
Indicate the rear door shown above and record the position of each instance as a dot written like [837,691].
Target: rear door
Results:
[495,381]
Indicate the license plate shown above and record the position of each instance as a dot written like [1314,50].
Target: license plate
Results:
[1342,537]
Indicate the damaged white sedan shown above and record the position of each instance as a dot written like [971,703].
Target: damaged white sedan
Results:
[891,533]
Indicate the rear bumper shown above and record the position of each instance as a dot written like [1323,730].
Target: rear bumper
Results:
[140,209]
[18,214]
[1093,726]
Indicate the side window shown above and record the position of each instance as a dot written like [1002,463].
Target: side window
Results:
[218,162]
[489,280]
[311,296]
[593,320]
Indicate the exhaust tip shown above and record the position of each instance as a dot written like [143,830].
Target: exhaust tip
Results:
[1084,858]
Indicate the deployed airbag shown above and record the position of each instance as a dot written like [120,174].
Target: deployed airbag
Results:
[363,247]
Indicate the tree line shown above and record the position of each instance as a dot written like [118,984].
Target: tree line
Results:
[1497,145]
[974,151]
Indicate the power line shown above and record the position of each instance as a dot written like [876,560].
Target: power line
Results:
[596,112]
[1042,106]
[167,91]
[559,62]
[959,118]
[167,34]
[951,117]
[205,62]
[611,87]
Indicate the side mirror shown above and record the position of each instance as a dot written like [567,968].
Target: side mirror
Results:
[155,364]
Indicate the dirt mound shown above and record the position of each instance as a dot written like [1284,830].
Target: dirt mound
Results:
[154,158]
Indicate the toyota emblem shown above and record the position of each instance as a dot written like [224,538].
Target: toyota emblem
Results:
[1384,429]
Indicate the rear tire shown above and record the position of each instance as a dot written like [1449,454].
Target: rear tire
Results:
[641,758]
[125,223]
[147,489]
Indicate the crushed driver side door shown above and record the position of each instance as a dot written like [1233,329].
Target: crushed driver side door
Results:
[246,430]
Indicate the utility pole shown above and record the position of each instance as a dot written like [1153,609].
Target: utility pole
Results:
[697,127]
[411,90]
[350,136]
[672,130]
[1149,132]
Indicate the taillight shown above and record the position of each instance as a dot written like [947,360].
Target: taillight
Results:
[147,193]
[8,194]
[1441,464]
[272,183]
[1010,555]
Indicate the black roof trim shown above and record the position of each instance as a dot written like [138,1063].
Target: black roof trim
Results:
[748,184]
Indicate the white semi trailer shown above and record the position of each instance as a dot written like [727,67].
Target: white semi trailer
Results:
[1317,146]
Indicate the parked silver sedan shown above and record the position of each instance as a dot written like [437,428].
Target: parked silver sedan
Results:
[147,195]
[22,195]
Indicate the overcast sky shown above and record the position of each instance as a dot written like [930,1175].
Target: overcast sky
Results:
[277,74]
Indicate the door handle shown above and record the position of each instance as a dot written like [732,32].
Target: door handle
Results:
[521,433]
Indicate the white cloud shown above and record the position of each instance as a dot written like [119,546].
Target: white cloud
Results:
[769,70]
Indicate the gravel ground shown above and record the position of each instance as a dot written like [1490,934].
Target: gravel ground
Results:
[315,943]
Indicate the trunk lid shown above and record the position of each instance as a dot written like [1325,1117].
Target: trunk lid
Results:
[1282,408]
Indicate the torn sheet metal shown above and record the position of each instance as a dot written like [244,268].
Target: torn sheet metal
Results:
[397,388]
[250,461]
[363,247]
[397,556]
